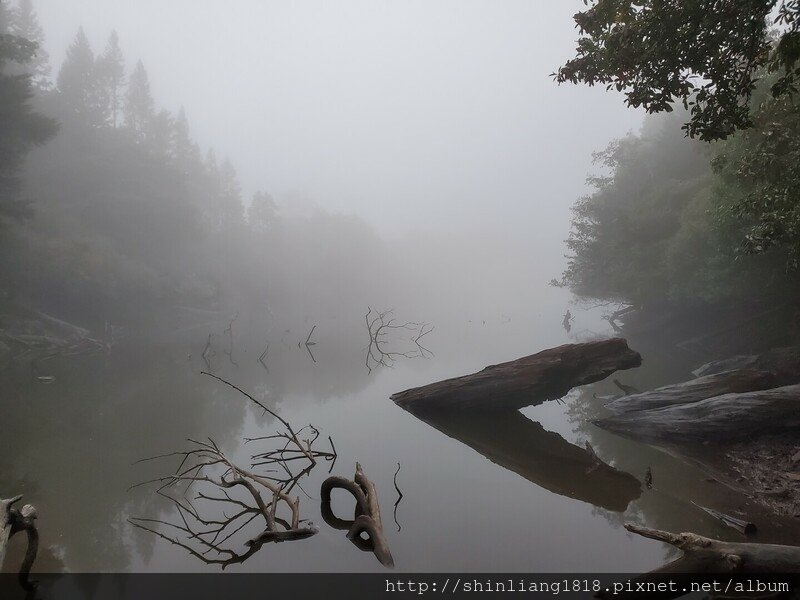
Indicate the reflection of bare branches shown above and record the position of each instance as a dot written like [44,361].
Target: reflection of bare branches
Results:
[367,514]
[399,497]
[216,480]
[262,358]
[208,352]
[205,469]
[308,343]
[229,331]
[380,324]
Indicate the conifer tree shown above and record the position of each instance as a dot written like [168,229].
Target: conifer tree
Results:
[111,79]
[139,105]
[77,80]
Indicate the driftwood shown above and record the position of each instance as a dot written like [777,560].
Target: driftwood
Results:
[694,390]
[704,557]
[783,363]
[527,381]
[728,418]
[740,525]
[367,518]
[13,521]
[516,443]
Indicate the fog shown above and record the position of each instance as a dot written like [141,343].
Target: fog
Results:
[439,116]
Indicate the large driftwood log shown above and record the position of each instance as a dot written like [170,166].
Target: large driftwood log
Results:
[727,418]
[13,521]
[526,381]
[783,363]
[514,442]
[695,390]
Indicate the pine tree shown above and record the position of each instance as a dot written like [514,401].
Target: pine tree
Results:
[111,79]
[77,80]
[139,106]
[21,129]
[25,24]
[184,150]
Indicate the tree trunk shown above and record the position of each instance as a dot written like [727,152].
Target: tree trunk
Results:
[527,381]
[694,390]
[723,419]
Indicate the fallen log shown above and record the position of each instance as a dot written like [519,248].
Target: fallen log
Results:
[705,556]
[723,419]
[695,390]
[783,363]
[527,381]
[13,521]
[514,442]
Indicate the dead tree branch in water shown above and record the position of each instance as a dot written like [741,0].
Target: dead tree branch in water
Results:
[308,343]
[262,358]
[399,497]
[229,331]
[367,515]
[208,352]
[379,326]
[204,468]
[13,521]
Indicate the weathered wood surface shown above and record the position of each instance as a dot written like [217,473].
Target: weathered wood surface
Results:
[13,521]
[526,381]
[695,390]
[727,418]
[514,442]
[783,363]
[702,555]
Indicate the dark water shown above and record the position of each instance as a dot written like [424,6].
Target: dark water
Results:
[505,493]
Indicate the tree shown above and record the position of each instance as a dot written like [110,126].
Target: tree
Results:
[230,208]
[25,24]
[21,128]
[76,79]
[262,213]
[111,79]
[184,150]
[139,105]
[708,55]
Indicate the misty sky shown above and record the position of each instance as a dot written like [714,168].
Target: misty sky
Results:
[411,113]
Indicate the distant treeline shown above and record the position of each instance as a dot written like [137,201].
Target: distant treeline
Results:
[109,211]
[676,223]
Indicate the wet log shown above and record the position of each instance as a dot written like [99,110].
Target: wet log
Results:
[527,381]
[702,555]
[13,521]
[695,390]
[722,419]
[514,442]
[783,363]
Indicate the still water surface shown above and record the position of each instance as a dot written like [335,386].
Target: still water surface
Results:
[479,493]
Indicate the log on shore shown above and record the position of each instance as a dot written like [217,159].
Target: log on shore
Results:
[514,442]
[695,390]
[527,381]
[727,418]
[783,363]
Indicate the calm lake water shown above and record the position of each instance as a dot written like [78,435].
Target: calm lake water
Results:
[479,493]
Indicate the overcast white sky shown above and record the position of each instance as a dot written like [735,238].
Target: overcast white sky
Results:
[410,113]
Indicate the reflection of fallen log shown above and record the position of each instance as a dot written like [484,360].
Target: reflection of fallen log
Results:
[13,521]
[694,390]
[727,418]
[518,444]
[527,381]
[367,514]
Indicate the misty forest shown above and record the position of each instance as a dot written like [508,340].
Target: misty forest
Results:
[423,286]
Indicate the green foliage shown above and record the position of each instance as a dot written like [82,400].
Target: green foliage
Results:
[705,54]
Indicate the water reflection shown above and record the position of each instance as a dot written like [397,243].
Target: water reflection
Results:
[545,458]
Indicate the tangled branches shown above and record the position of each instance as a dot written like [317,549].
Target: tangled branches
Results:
[217,501]
[380,352]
